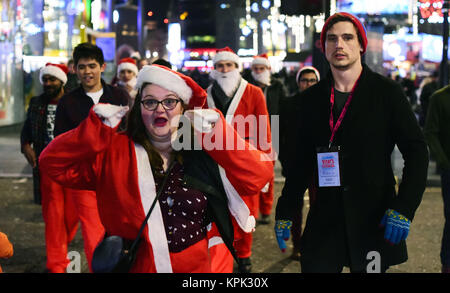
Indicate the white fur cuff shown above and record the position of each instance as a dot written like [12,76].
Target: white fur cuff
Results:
[202,119]
[111,115]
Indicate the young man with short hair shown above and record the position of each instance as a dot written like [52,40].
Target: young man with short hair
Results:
[72,109]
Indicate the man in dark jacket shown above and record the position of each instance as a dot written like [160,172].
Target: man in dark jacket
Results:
[37,131]
[427,90]
[437,133]
[72,109]
[74,106]
[349,124]
[306,76]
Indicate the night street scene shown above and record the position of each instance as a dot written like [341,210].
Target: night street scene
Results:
[255,142]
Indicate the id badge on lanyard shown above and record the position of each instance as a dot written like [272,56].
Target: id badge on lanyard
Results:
[328,166]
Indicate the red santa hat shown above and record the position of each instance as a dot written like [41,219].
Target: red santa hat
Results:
[226,54]
[185,87]
[360,27]
[127,64]
[307,68]
[262,59]
[57,70]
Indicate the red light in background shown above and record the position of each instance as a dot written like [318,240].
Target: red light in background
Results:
[166,20]
[150,13]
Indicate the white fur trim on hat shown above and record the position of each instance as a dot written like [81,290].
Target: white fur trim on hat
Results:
[226,56]
[308,68]
[261,61]
[165,79]
[53,71]
[127,66]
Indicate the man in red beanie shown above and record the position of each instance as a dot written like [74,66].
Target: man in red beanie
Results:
[348,126]
[240,101]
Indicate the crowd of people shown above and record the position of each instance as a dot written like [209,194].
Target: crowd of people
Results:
[166,159]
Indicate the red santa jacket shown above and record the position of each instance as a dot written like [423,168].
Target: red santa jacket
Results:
[94,156]
[248,115]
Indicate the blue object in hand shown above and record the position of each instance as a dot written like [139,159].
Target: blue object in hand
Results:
[282,232]
[397,226]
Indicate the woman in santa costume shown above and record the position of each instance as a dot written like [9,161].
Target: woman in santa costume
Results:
[126,168]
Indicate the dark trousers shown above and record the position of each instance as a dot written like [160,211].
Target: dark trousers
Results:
[36,186]
[445,246]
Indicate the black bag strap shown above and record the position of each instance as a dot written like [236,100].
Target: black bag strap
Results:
[138,238]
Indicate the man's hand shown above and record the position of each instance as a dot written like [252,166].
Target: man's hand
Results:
[397,226]
[282,232]
[29,154]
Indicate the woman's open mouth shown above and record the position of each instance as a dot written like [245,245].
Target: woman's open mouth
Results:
[160,121]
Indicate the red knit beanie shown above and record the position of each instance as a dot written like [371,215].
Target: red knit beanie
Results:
[360,27]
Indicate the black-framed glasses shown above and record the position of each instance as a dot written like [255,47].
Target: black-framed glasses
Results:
[312,80]
[152,104]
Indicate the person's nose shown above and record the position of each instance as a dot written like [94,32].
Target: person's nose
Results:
[159,108]
[86,70]
[339,43]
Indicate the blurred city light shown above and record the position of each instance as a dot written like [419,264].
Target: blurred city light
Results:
[115,16]
[255,7]
[184,15]
[265,4]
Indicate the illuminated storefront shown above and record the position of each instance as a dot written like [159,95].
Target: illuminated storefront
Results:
[11,79]
[414,47]
[34,32]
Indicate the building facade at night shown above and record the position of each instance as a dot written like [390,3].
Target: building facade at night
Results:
[403,35]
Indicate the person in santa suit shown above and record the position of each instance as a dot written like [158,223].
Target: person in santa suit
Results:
[241,101]
[275,93]
[127,168]
[127,72]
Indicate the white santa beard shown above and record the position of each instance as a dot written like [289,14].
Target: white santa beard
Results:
[132,82]
[263,77]
[228,81]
